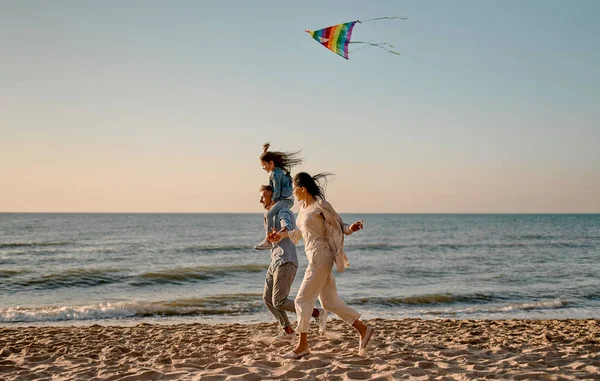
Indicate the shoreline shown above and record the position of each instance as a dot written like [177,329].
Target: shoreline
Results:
[252,320]
[402,349]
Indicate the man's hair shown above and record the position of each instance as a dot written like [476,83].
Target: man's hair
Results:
[266,188]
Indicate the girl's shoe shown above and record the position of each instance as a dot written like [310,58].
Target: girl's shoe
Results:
[264,245]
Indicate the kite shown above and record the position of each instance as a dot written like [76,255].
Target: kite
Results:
[337,37]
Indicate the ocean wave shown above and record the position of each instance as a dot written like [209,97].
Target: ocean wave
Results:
[550,237]
[10,273]
[8,245]
[236,304]
[72,278]
[591,295]
[588,237]
[213,248]
[529,236]
[444,246]
[193,274]
[83,277]
[508,308]
[426,299]
[390,247]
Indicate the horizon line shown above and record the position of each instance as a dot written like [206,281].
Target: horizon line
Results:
[371,213]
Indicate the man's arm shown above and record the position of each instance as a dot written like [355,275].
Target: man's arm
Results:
[286,220]
[288,227]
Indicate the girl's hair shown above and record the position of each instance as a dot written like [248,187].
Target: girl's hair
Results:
[315,185]
[283,160]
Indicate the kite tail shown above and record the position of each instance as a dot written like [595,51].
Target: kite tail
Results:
[384,18]
[381,45]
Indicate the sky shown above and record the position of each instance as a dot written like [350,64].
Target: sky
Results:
[163,106]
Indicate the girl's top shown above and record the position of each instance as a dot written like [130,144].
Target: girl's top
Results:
[322,228]
[281,184]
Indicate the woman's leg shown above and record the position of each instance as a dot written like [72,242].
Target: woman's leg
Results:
[360,327]
[311,286]
[302,342]
[331,301]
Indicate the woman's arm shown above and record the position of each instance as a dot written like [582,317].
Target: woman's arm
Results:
[294,235]
[347,229]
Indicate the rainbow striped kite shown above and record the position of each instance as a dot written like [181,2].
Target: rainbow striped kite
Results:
[337,37]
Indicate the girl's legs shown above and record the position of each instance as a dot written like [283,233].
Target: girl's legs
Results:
[289,202]
[270,223]
[272,213]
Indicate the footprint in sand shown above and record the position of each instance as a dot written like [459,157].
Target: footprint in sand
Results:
[216,366]
[358,362]
[269,364]
[293,374]
[247,377]
[357,375]
[211,378]
[312,364]
[235,370]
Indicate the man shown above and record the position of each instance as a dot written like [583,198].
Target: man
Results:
[282,270]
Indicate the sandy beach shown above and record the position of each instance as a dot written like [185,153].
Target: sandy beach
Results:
[403,349]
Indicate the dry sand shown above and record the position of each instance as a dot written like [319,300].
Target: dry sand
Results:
[403,349]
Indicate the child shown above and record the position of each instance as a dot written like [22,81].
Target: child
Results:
[278,164]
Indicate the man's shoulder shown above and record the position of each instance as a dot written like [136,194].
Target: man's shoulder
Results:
[285,212]
[286,218]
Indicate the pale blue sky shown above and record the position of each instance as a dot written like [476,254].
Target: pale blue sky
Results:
[163,106]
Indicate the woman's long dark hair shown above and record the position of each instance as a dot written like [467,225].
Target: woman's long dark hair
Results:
[315,185]
[283,160]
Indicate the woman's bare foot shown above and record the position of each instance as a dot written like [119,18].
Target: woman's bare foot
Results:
[301,349]
[302,345]
[360,327]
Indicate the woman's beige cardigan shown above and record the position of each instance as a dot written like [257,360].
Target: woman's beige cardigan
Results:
[335,228]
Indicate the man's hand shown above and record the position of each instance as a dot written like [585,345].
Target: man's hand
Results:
[271,235]
[276,236]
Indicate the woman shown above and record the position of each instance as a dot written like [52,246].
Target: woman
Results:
[323,232]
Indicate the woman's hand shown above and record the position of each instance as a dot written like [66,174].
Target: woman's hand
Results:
[276,236]
[358,225]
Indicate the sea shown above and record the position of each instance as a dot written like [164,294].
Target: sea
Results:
[126,269]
